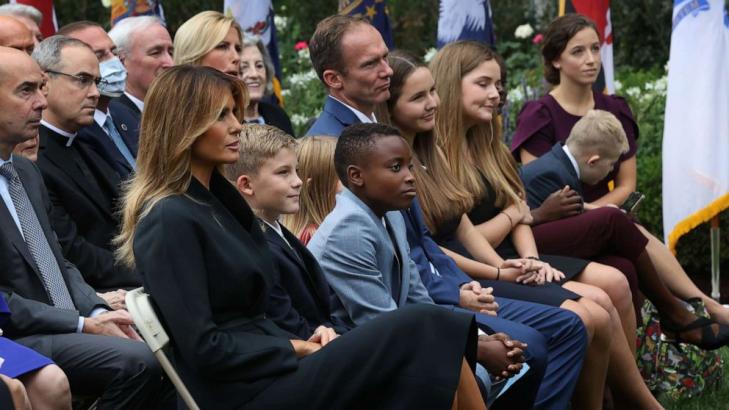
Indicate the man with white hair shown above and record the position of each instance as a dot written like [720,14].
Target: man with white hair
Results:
[28,15]
[145,47]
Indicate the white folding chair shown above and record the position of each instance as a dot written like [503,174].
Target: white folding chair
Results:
[154,335]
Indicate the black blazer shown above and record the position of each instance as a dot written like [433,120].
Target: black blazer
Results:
[84,205]
[128,126]
[276,116]
[20,281]
[124,101]
[206,265]
[547,174]
[300,299]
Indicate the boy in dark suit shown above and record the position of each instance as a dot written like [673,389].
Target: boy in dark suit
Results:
[265,175]
[593,147]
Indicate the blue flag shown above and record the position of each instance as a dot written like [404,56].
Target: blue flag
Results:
[465,20]
[374,10]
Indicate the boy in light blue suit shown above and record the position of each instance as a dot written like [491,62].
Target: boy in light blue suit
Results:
[363,250]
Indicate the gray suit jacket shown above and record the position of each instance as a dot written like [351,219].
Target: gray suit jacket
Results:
[356,255]
[20,280]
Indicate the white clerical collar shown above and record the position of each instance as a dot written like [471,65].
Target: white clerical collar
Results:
[360,115]
[573,160]
[70,135]
[139,103]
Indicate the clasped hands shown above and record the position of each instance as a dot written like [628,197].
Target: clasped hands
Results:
[321,337]
[500,355]
[529,271]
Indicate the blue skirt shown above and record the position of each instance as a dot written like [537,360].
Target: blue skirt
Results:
[17,360]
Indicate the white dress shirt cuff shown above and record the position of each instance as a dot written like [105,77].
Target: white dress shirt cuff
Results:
[94,313]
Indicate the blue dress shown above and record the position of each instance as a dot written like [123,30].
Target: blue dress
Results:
[17,360]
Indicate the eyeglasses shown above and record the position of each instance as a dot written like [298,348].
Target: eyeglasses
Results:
[81,80]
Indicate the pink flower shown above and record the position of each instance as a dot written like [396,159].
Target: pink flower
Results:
[301,45]
[538,38]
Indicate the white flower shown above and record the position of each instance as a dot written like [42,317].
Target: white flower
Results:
[285,92]
[301,79]
[515,95]
[633,92]
[429,54]
[298,119]
[524,31]
[281,22]
[303,53]
[618,85]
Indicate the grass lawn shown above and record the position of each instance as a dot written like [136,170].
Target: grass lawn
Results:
[714,399]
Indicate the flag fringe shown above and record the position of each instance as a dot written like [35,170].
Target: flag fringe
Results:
[697,218]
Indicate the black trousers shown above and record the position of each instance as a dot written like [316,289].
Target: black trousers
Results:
[123,373]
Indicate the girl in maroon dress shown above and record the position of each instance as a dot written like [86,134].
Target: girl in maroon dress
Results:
[468,78]
[572,63]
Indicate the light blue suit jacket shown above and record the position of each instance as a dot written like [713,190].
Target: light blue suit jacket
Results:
[356,254]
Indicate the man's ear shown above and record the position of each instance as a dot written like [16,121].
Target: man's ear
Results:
[354,176]
[244,185]
[333,79]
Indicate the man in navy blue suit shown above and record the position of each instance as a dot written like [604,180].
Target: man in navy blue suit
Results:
[350,57]
[114,134]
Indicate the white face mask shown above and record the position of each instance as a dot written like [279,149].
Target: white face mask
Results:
[113,77]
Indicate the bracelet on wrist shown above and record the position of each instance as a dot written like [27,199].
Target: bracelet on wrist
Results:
[511,221]
[498,273]
[534,258]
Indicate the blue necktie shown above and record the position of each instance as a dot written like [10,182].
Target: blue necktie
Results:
[119,142]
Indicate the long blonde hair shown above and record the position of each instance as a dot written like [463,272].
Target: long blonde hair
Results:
[200,34]
[479,149]
[319,178]
[167,132]
[442,198]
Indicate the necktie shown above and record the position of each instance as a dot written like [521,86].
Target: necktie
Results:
[36,240]
[119,142]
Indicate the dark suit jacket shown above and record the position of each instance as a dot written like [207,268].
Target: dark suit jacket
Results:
[274,115]
[300,299]
[206,264]
[334,118]
[20,281]
[124,101]
[96,137]
[549,173]
[83,208]
[129,117]
[444,286]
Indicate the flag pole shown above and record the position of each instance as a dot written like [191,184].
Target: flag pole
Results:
[715,276]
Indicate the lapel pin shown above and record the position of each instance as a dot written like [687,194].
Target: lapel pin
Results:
[124,127]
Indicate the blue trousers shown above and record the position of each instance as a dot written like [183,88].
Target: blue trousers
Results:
[556,341]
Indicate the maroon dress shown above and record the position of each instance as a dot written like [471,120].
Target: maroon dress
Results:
[597,235]
[543,122]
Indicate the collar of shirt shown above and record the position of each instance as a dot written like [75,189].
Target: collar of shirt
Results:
[276,228]
[3,161]
[360,115]
[100,118]
[573,160]
[139,103]
[70,135]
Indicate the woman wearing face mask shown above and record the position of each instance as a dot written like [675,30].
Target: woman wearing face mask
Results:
[256,71]
[468,77]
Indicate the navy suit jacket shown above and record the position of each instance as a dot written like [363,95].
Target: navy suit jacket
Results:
[96,137]
[333,119]
[300,298]
[443,285]
[547,174]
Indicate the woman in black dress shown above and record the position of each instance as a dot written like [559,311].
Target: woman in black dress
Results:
[206,264]
[468,80]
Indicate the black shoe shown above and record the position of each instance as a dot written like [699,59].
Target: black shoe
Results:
[709,340]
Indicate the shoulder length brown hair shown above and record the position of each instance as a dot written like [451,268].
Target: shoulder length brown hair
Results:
[478,150]
[442,198]
[182,103]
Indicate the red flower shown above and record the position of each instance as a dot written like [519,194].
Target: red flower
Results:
[538,38]
[301,45]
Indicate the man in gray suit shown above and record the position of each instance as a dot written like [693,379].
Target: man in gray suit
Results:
[54,311]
